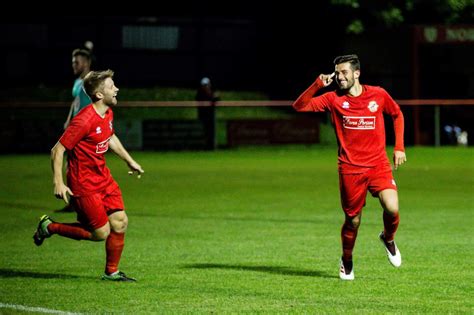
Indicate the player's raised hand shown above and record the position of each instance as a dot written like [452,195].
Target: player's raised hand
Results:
[327,78]
[399,157]
[61,192]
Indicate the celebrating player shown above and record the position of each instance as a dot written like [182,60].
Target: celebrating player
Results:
[96,196]
[357,114]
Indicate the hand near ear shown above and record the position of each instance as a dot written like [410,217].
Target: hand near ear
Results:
[327,78]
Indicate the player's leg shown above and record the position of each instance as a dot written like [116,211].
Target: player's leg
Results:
[391,217]
[353,191]
[114,247]
[76,231]
[349,230]
[93,222]
[382,185]
[116,240]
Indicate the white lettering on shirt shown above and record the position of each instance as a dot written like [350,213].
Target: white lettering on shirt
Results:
[103,146]
[354,122]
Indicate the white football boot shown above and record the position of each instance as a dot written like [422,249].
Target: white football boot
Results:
[342,272]
[395,260]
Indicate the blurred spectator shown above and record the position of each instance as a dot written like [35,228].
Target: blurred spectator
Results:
[207,111]
[206,92]
[81,65]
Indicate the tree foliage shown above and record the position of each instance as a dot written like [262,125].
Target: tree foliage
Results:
[389,14]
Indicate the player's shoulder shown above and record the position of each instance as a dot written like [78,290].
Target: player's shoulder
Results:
[375,89]
[86,114]
[332,94]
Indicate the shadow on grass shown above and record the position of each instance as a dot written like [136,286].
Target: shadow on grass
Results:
[11,273]
[279,270]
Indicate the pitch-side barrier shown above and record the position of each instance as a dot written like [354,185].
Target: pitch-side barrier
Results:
[416,105]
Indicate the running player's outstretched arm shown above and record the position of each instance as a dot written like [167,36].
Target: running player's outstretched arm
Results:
[399,156]
[393,109]
[307,103]
[119,149]
[61,191]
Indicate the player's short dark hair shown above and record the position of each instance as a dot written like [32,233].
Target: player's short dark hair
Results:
[352,59]
[82,52]
[94,81]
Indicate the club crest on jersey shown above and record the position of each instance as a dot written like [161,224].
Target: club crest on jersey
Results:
[98,130]
[373,106]
[103,146]
[358,122]
[345,104]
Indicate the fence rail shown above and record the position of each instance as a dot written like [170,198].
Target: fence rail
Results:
[416,105]
[276,103]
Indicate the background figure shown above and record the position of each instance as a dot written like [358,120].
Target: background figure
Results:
[81,66]
[455,135]
[207,112]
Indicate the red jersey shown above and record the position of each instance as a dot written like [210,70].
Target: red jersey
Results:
[87,140]
[358,122]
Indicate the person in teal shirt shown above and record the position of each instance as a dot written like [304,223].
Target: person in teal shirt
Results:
[81,65]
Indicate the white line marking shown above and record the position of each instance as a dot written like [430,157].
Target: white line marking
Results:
[34,309]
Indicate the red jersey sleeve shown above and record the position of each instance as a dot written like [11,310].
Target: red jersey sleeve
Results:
[393,109]
[75,132]
[307,103]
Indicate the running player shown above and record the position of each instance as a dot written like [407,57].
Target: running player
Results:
[96,196]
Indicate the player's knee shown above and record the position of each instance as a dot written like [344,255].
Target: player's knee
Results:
[123,225]
[354,221]
[100,235]
[391,207]
[119,224]
[389,201]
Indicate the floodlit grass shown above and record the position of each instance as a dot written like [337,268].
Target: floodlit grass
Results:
[249,230]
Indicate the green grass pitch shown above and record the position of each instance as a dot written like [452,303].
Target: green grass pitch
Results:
[252,230]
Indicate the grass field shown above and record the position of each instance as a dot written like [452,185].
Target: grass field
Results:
[251,230]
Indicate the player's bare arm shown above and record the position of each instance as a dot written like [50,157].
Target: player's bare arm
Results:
[61,191]
[68,119]
[119,149]
[399,157]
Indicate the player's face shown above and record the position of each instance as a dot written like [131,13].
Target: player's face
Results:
[110,92]
[345,76]
[79,64]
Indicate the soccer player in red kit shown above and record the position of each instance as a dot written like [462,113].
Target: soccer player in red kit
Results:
[357,115]
[95,195]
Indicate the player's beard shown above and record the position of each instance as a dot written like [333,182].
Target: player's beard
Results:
[110,101]
[349,84]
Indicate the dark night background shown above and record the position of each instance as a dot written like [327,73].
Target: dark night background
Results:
[257,50]
[278,50]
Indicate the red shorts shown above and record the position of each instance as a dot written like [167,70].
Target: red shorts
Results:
[93,210]
[354,187]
